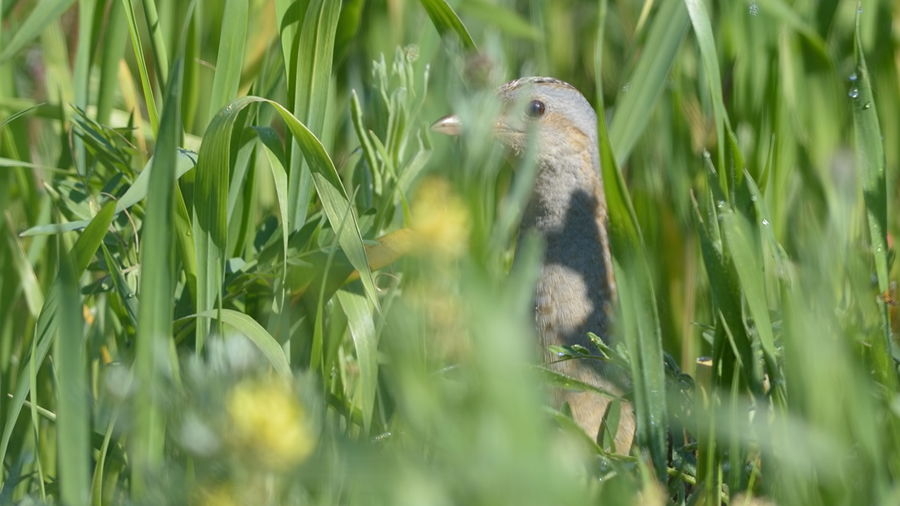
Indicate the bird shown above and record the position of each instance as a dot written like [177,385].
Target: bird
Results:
[576,288]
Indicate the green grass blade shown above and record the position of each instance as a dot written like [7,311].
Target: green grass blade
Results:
[257,335]
[73,417]
[870,157]
[34,297]
[156,293]
[362,329]
[149,99]
[48,323]
[110,56]
[231,54]
[136,192]
[637,299]
[334,199]
[447,22]
[633,110]
[44,13]
[310,95]
[703,31]
[157,41]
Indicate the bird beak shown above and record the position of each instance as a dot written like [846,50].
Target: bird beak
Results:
[448,125]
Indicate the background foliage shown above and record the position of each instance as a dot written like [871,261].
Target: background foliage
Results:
[309,299]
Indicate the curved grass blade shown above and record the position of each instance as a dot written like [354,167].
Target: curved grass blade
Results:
[256,334]
[212,190]
[446,21]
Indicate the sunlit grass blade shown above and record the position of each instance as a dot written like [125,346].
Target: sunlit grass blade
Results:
[72,415]
[44,13]
[634,107]
[156,293]
[447,22]
[231,54]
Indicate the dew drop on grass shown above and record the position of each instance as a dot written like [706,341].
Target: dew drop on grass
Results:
[753,198]
[720,204]
[754,9]
[868,105]
[765,223]
[853,76]
[854,93]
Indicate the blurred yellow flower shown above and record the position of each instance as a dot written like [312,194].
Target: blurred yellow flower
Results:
[268,421]
[218,496]
[440,219]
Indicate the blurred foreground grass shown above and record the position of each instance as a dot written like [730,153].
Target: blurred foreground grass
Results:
[211,332]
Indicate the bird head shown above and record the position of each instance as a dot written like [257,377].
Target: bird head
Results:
[562,120]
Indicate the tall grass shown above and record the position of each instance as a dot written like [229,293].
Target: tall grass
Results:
[238,269]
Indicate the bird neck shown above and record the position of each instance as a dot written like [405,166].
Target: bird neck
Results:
[568,211]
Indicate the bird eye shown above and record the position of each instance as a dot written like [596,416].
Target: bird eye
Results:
[535,109]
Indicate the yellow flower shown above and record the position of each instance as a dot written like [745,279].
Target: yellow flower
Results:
[268,421]
[440,219]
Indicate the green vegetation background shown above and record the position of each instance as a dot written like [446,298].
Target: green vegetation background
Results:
[310,300]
